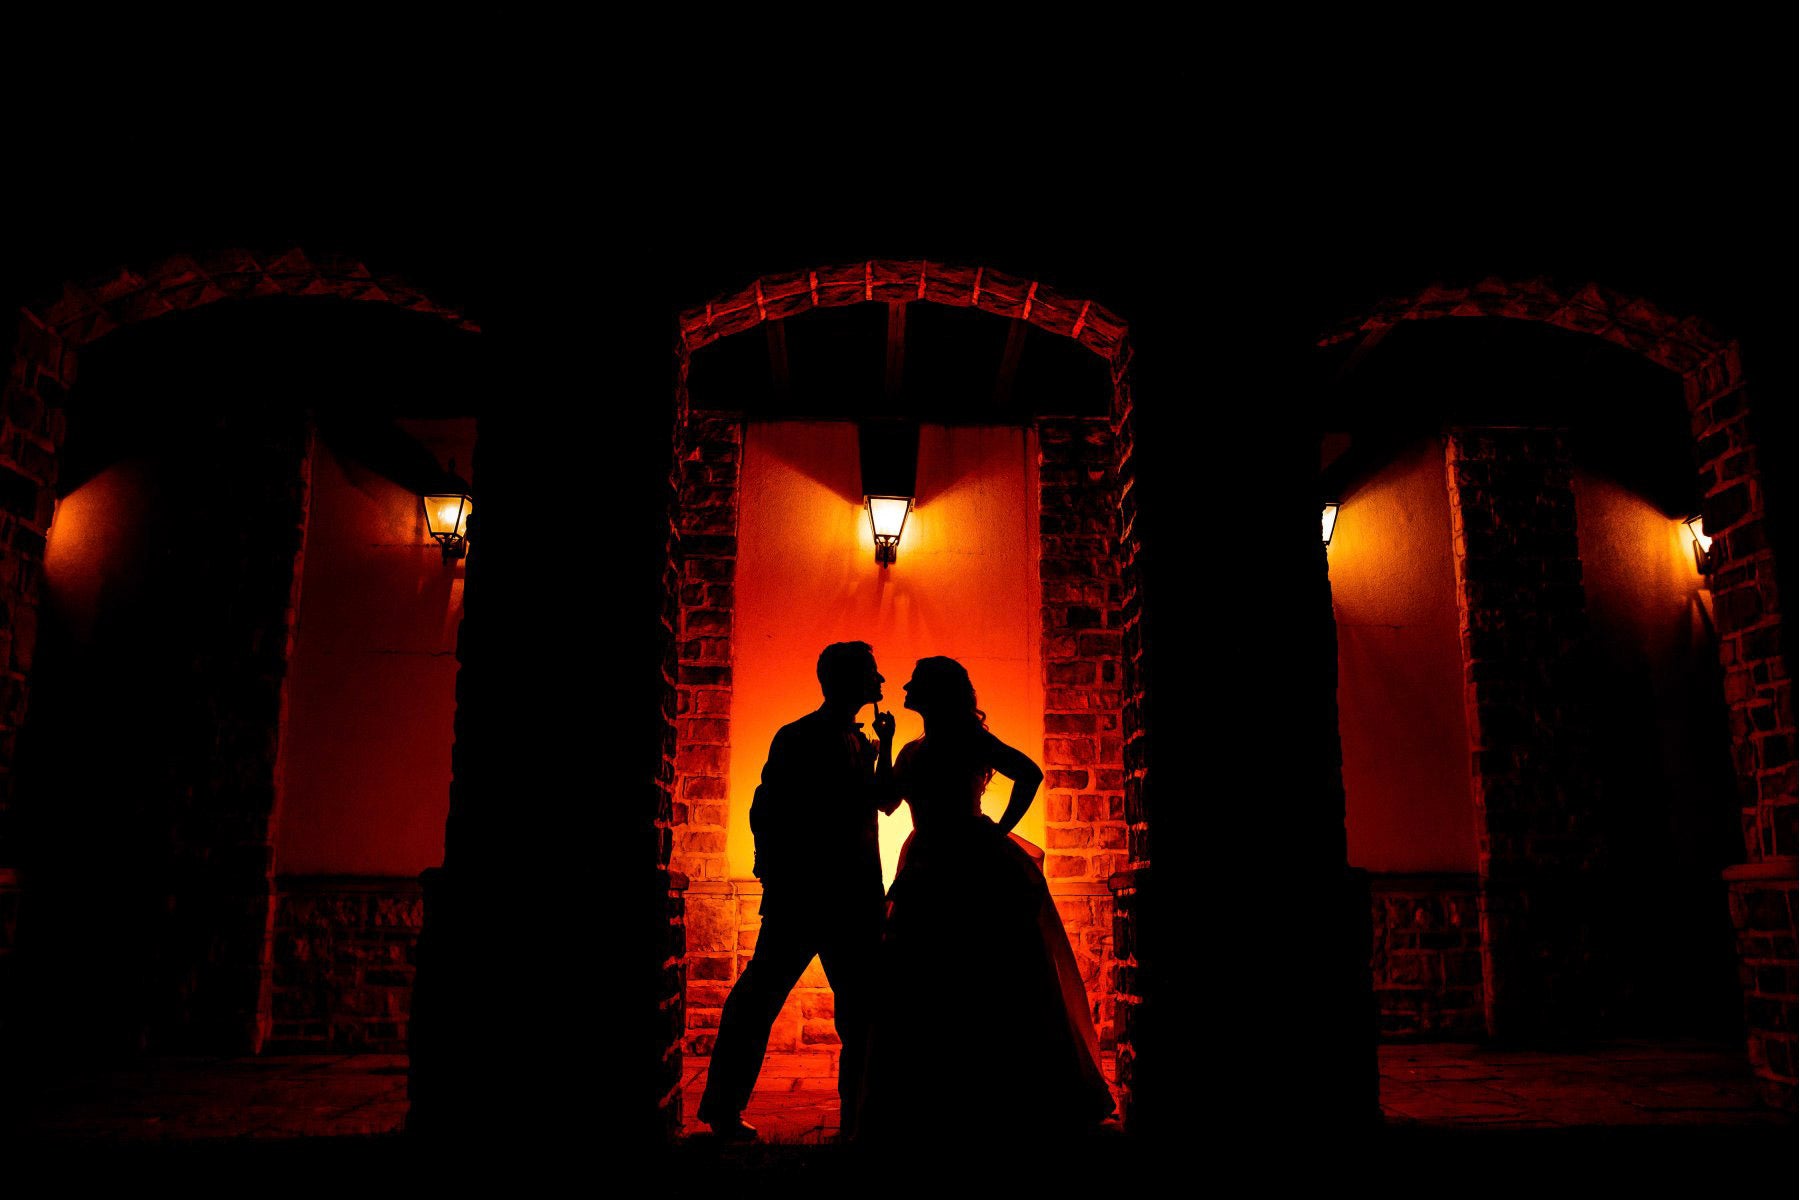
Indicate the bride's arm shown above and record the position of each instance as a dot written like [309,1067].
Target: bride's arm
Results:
[1025,777]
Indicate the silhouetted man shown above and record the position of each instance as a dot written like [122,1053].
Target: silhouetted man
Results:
[813,817]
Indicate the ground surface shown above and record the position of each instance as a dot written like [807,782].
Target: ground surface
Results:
[1655,1116]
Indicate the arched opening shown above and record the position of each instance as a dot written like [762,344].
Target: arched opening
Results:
[1528,487]
[147,808]
[1011,564]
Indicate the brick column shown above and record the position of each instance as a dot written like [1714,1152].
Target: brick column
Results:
[345,950]
[706,567]
[671,997]
[1426,955]
[706,517]
[1760,710]
[1085,831]
[1523,624]
[32,425]
[670,918]
[1134,920]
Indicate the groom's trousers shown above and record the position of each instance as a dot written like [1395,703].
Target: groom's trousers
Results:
[845,937]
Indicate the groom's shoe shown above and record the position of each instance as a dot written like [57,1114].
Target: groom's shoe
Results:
[731,1129]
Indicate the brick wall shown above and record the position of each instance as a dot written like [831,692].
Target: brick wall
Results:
[1523,624]
[1086,837]
[345,949]
[723,919]
[1134,925]
[667,951]
[1760,710]
[1762,914]
[32,427]
[1426,956]
[706,517]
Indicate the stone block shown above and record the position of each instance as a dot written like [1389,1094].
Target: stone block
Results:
[700,841]
[704,787]
[704,730]
[1075,913]
[712,924]
[814,1062]
[818,1033]
[1071,722]
[712,967]
[711,702]
[1069,751]
[784,1035]
[703,760]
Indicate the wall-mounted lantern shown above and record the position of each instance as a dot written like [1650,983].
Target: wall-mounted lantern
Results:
[1703,559]
[447,517]
[889,454]
[1328,520]
[887,517]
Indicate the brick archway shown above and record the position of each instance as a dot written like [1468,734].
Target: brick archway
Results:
[32,427]
[1757,690]
[1096,738]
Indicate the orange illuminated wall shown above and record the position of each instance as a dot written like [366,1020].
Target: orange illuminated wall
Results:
[99,543]
[372,685]
[1658,701]
[965,586]
[1408,802]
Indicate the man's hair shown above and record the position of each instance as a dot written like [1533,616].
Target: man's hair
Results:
[840,663]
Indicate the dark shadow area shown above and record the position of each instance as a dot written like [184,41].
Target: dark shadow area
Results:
[148,764]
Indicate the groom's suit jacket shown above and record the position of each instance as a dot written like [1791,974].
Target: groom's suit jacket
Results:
[813,817]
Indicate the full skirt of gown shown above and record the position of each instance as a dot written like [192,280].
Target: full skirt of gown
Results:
[982,1024]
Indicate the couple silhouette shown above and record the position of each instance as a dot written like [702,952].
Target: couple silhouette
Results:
[957,990]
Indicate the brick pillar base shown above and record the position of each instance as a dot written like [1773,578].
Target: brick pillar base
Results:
[1762,912]
[1134,1018]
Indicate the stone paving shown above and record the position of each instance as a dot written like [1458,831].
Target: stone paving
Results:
[1431,1087]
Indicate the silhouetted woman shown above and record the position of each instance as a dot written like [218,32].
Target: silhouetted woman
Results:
[982,1027]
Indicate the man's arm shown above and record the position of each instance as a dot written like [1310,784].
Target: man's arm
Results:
[772,808]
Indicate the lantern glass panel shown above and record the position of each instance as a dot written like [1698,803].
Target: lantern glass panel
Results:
[887,515]
[1696,528]
[447,516]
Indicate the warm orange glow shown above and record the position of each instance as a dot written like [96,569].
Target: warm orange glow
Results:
[372,684]
[1328,521]
[1408,805]
[1702,543]
[98,538]
[969,590]
[447,516]
[887,515]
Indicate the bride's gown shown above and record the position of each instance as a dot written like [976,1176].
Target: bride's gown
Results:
[982,1022]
